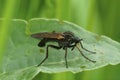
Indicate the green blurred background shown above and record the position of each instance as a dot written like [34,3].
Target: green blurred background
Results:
[98,16]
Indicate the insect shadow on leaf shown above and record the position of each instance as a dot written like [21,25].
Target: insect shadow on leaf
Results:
[64,39]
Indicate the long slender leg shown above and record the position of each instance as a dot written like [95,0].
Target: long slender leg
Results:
[86,49]
[73,46]
[66,57]
[84,55]
[52,46]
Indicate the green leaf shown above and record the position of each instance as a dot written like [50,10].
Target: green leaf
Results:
[22,53]
[21,74]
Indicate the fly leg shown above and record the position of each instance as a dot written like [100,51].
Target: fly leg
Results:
[86,49]
[66,57]
[84,55]
[52,46]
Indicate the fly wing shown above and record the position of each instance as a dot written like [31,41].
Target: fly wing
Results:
[48,35]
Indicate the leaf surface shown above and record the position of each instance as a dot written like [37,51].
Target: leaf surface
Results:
[22,53]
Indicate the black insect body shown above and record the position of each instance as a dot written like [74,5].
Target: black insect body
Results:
[65,40]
